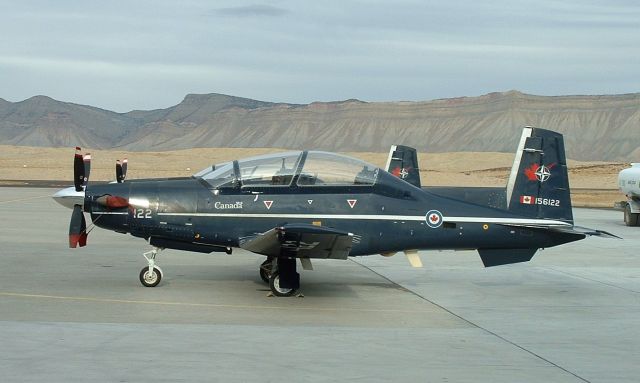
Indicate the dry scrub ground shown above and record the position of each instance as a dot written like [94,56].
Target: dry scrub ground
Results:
[593,183]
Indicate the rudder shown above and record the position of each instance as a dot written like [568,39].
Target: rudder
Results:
[538,185]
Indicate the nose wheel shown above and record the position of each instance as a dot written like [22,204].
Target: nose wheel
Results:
[150,276]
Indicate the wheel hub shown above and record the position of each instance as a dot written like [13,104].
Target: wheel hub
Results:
[276,285]
[150,277]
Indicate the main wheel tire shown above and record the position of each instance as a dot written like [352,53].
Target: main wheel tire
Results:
[265,271]
[274,284]
[150,279]
[630,219]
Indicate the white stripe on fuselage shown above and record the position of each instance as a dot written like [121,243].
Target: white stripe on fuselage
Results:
[380,217]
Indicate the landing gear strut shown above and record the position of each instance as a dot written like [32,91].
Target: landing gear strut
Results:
[151,275]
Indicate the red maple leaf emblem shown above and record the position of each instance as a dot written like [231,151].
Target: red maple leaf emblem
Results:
[396,171]
[530,172]
[434,218]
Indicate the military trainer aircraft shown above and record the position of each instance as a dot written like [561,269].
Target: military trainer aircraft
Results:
[314,204]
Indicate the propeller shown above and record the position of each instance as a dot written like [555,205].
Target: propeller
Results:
[78,225]
[81,170]
[121,170]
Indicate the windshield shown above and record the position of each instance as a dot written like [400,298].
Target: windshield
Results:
[218,175]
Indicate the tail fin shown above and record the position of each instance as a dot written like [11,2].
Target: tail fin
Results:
[538,186]
[403,163]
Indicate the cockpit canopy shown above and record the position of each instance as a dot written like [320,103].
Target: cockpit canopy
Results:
[305,169]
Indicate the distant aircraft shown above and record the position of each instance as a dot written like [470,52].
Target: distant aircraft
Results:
[312,204]
[629,183]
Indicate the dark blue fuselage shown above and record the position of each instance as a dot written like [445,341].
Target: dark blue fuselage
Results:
[389,216]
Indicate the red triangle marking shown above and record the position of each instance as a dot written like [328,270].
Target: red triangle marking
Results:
[268,204]
[352,202]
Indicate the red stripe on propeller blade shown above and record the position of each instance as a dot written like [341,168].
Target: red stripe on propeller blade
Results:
[82,241]
[73,240]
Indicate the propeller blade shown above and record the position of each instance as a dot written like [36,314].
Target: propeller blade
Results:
[124,168]
[119,173]
[78,170]
[112,201]
[86,159]
[77,228]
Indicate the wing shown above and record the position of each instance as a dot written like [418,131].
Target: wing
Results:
[301,241]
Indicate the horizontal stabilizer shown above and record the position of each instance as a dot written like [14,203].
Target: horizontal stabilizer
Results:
[586,231]
[496,257]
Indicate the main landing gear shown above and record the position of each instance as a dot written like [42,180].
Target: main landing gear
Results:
[150,276]
[281,275]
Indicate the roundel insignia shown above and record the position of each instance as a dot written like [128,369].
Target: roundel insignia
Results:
[542,173]
[434,218]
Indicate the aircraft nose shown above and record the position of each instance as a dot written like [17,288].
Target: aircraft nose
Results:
[69,197]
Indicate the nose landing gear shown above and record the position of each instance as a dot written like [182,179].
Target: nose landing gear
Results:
[151,275]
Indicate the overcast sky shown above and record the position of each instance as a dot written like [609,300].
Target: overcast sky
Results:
[150,54]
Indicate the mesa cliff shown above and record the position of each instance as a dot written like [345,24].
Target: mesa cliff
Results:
[596,128]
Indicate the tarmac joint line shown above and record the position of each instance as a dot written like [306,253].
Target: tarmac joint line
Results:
[207,305]
[24,199]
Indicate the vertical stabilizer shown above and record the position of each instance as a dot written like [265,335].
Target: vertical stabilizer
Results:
[403,163]
[538,186]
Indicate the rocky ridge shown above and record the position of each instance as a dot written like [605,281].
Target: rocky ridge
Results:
[603,128]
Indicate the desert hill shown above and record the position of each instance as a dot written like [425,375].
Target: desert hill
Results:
[601,128]
[593,183]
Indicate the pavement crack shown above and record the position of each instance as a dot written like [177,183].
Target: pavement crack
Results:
[593,280]
[473,324]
